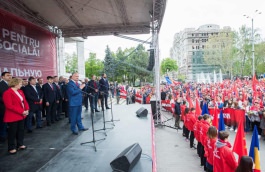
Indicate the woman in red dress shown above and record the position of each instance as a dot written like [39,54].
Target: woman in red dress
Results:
[16,110]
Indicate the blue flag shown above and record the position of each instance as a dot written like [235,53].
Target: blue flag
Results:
[254,149]
[221,125]
[168,80]
[205,109]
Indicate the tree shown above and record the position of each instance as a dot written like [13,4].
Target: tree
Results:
[220,50]
[109,63]
[93,66]
[168,65]
[71,63]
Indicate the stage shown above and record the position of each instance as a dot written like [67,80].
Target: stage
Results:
[55,148]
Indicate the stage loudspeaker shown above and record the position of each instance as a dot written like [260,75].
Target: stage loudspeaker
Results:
[142,112]
[127,159]
[151,60]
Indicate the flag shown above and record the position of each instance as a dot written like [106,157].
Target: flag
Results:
[205,109]
[240,147]
[198,108]
[215,118]
[168,80]
[221,125]
[254,150]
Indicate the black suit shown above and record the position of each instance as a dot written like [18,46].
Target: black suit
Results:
[104,87]
[65,100]
[33,98]
[91,89]
[60,98]
[50,96]
[3,88]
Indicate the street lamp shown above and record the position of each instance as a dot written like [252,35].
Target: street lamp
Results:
[253,51]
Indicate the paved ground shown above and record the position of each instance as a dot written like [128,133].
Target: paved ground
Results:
[54,148]
[174,154]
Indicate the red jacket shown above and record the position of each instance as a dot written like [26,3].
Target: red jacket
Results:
[197,128]
[223,159]
[13,106]
[190,121]
[209,148]
[203,133]
[182,108]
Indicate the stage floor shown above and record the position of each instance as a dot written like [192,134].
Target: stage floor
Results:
[55,149]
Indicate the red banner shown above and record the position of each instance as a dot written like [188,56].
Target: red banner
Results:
[168,106]
[138,98]
[26,49]
[231,116]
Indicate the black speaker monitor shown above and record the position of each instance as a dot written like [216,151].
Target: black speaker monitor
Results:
[142,112]
[127,159]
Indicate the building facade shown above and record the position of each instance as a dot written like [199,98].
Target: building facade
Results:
[188,51]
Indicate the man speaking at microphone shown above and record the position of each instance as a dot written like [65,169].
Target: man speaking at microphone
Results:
[74,93]
[104,87]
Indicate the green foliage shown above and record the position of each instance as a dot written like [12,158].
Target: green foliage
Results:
[220,50]
[93,66]
[168,65]
[127,65]
[71,63]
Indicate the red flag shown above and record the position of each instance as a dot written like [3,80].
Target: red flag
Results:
[240,147]
[215,117]
[198,108]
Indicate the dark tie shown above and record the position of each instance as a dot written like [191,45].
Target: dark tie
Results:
[76,83]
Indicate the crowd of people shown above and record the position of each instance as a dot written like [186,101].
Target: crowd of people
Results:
[213,147]
[25,103]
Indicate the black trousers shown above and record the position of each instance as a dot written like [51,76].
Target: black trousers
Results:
[203,159]
[15,132]
[187,133]
[106,100]
[59,109]
[199,146]
[184,130]
[51,112]
[65,108]
[191,139]
[86,101]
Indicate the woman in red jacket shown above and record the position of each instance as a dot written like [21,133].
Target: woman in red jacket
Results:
[209,147]
[191,119]
[196,129]
[205,124]
[223,157]
[16,110]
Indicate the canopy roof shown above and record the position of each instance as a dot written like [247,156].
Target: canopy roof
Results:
[82,18]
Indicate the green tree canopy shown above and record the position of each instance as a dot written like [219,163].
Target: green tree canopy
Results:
[71,62]
[93,66]
[168,65]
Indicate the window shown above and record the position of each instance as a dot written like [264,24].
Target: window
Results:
[192,47]
[192,34]
[202,46]
[193,53]
[192,40]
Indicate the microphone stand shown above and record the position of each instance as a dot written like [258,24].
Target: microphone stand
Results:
[93,130]
[112,120]
[104,126]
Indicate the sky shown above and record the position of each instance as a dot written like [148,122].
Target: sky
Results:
[185,14]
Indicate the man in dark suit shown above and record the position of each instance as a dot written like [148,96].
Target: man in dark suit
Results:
[92,90]
[104,88]
[50,97]
[34,97]
[74,93]
[6,77]
[65,98]
[60,98]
